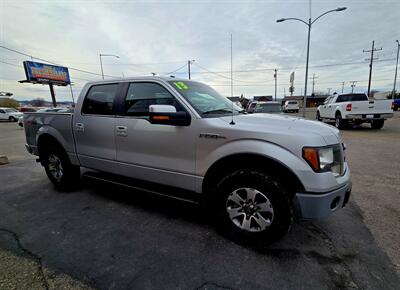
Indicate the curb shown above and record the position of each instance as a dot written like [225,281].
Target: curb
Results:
[3,160]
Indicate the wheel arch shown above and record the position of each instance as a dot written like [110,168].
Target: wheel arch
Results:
[252,160]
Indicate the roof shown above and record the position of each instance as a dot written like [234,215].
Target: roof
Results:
[143,78]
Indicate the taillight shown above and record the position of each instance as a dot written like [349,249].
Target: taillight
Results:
[348,107]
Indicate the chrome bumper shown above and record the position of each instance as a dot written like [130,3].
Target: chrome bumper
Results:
[320,205]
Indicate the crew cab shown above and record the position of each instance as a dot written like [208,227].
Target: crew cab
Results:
[182,138]
[356,109]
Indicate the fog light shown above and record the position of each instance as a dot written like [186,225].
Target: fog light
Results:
[335,202]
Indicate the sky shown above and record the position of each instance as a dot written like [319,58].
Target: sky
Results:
[161,36]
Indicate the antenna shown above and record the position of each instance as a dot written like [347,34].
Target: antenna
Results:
[232,122]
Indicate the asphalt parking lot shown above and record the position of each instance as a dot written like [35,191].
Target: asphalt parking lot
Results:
[108,237]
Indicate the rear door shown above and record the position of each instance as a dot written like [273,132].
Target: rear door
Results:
[157,153]
[94,127]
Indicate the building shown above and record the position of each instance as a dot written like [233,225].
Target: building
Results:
[262,98]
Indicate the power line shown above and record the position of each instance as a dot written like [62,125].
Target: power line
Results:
[51,62]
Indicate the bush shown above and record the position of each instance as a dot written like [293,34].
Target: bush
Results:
[9,103]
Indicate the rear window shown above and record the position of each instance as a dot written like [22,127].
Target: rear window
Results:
[99,100]
[351,98]
[292,103]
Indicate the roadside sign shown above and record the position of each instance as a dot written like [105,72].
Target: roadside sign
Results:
[41,73]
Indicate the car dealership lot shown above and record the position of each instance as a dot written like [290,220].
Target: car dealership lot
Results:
[109,237]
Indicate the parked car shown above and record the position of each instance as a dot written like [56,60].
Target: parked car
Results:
[291,106]
[396,104]
[268,107]
[9,114]
[21,121]
[355,109]
[251,107]
[181,138]
[27,109]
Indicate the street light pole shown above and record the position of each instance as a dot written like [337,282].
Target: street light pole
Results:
[101,63]
[309,24]
[395,73]
[306,77]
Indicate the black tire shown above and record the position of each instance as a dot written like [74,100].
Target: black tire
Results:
[318,116]
[70,174]
[339,122]
[12,119]
[271,189]
[377,124]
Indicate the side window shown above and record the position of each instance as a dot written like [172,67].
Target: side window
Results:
[2,112]
[342,98]
[141,95]
[99,100]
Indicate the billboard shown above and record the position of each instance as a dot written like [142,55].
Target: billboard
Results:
[46,73]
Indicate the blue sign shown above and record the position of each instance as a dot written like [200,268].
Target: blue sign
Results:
[46,73]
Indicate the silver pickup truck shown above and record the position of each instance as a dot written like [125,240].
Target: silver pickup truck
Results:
[182,138]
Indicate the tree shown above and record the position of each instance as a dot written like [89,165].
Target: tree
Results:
[9,103]
[38,102]
[396,96]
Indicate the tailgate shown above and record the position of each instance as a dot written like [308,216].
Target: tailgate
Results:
[372,107]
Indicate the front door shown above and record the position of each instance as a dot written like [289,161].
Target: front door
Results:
[158,153]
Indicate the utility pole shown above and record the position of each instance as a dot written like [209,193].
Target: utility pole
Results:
[395,74]
[329,91]
[231,68]
[342,86]
[276,79]
[370,64]
[353,85]
[189,63]
[313,82]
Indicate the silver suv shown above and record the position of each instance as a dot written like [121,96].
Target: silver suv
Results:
[182,138]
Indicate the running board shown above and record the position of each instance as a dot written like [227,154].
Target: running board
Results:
[145,186]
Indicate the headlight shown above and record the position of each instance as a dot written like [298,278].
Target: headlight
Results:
[325,159]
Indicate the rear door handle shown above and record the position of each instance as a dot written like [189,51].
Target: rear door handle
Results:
[122,131]
[80,127]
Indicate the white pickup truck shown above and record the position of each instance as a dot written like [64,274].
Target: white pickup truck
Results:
[355,109]
[181,138]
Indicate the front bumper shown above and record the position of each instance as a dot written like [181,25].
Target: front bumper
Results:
[320,205]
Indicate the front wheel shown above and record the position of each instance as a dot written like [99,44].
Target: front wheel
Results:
[59,169]
[253,206]
[377,124]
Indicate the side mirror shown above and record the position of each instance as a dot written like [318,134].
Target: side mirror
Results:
[167,115]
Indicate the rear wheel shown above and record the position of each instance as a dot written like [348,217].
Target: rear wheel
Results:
[339,122]
[12,119]
[59,169]
[318,117]
[377,124]
[253,206]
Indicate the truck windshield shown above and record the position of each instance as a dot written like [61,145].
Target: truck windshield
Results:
[204,99]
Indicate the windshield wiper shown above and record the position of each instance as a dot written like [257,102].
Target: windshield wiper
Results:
[218,111]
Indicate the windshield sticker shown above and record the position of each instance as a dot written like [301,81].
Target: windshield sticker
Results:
[181,85]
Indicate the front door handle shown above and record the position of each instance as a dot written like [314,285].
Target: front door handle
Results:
[122,131]
[80,127]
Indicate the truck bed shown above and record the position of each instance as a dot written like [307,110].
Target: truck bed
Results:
[58,125]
